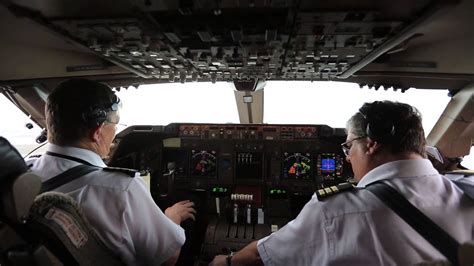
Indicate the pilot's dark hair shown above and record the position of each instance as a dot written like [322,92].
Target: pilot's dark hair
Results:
[75,107]
[394,123]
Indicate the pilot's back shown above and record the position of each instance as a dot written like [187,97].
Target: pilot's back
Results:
[117,204]
[355,228]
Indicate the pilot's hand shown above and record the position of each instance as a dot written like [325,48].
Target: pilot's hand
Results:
[181,211]
[219,260]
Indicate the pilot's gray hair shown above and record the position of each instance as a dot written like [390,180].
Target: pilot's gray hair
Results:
[408,134]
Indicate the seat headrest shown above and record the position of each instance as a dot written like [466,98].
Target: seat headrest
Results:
[18,186]
[11,162]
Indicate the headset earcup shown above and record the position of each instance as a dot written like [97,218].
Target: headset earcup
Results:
[379,127]
[380,130]
[368,131]
[95,117]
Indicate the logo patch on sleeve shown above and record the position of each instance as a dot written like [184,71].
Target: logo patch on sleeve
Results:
[67,223]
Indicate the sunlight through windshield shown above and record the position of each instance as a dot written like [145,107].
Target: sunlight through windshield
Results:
[333,103]
[285,102]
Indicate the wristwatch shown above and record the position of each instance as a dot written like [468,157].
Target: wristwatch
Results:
[229,258]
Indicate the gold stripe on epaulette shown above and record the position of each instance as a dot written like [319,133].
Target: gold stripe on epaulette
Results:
[321,192]
[333,190]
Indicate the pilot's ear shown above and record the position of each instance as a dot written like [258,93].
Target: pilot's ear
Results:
[94,133]
[373,146]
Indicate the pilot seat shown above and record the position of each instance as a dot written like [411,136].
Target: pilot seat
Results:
[46,229]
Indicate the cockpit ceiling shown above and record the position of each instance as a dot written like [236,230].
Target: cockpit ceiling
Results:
[389,43]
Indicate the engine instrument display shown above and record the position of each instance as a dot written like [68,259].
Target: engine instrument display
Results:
[203,163]
[297,165]
[249,165]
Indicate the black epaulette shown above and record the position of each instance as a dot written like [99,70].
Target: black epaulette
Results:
[323,193]
[30,158]
[128,172]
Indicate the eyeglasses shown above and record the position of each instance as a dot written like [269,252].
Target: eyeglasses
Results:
[108,121]
[116,123]
[118,126]
[345,146]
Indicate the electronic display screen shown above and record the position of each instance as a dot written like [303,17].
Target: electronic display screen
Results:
[297,165]
[328,164]
[176,161]
[203,163]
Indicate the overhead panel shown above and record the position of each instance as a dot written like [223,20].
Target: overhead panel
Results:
[182,41]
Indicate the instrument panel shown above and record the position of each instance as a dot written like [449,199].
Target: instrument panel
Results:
[246,180]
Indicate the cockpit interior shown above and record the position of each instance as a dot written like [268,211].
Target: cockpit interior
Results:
[247,179]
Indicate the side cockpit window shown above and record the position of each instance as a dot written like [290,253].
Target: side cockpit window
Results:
[17,127]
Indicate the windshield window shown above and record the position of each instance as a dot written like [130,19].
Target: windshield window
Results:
[13,126]
[162,104]
[285,102]
[333,103]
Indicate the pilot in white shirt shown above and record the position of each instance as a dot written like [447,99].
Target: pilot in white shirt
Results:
[81,118]
[356,228]
[385,143]
[118,206]
[452,169]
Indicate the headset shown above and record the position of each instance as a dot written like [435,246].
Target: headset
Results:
[97,115]
[379,128]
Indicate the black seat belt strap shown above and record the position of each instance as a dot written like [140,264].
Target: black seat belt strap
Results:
[68,176]
[67,157]
[434,234]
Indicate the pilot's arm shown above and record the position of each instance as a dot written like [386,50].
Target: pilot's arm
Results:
[151,236]
[303,241]
[246,256]
[172,261]
[178,213]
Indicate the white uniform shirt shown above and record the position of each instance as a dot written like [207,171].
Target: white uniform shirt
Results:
[464,180]
[356,228]
[119,208]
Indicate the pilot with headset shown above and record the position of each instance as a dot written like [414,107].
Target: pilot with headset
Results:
[452,169]
[386,148]
[81,118]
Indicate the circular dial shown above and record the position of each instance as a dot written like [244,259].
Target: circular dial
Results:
[203,163]
[297,165]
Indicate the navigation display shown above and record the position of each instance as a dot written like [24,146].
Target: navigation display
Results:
[329,166]
[297,165]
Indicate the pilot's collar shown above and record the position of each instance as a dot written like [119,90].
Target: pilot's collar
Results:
[398,169]
[83,154]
